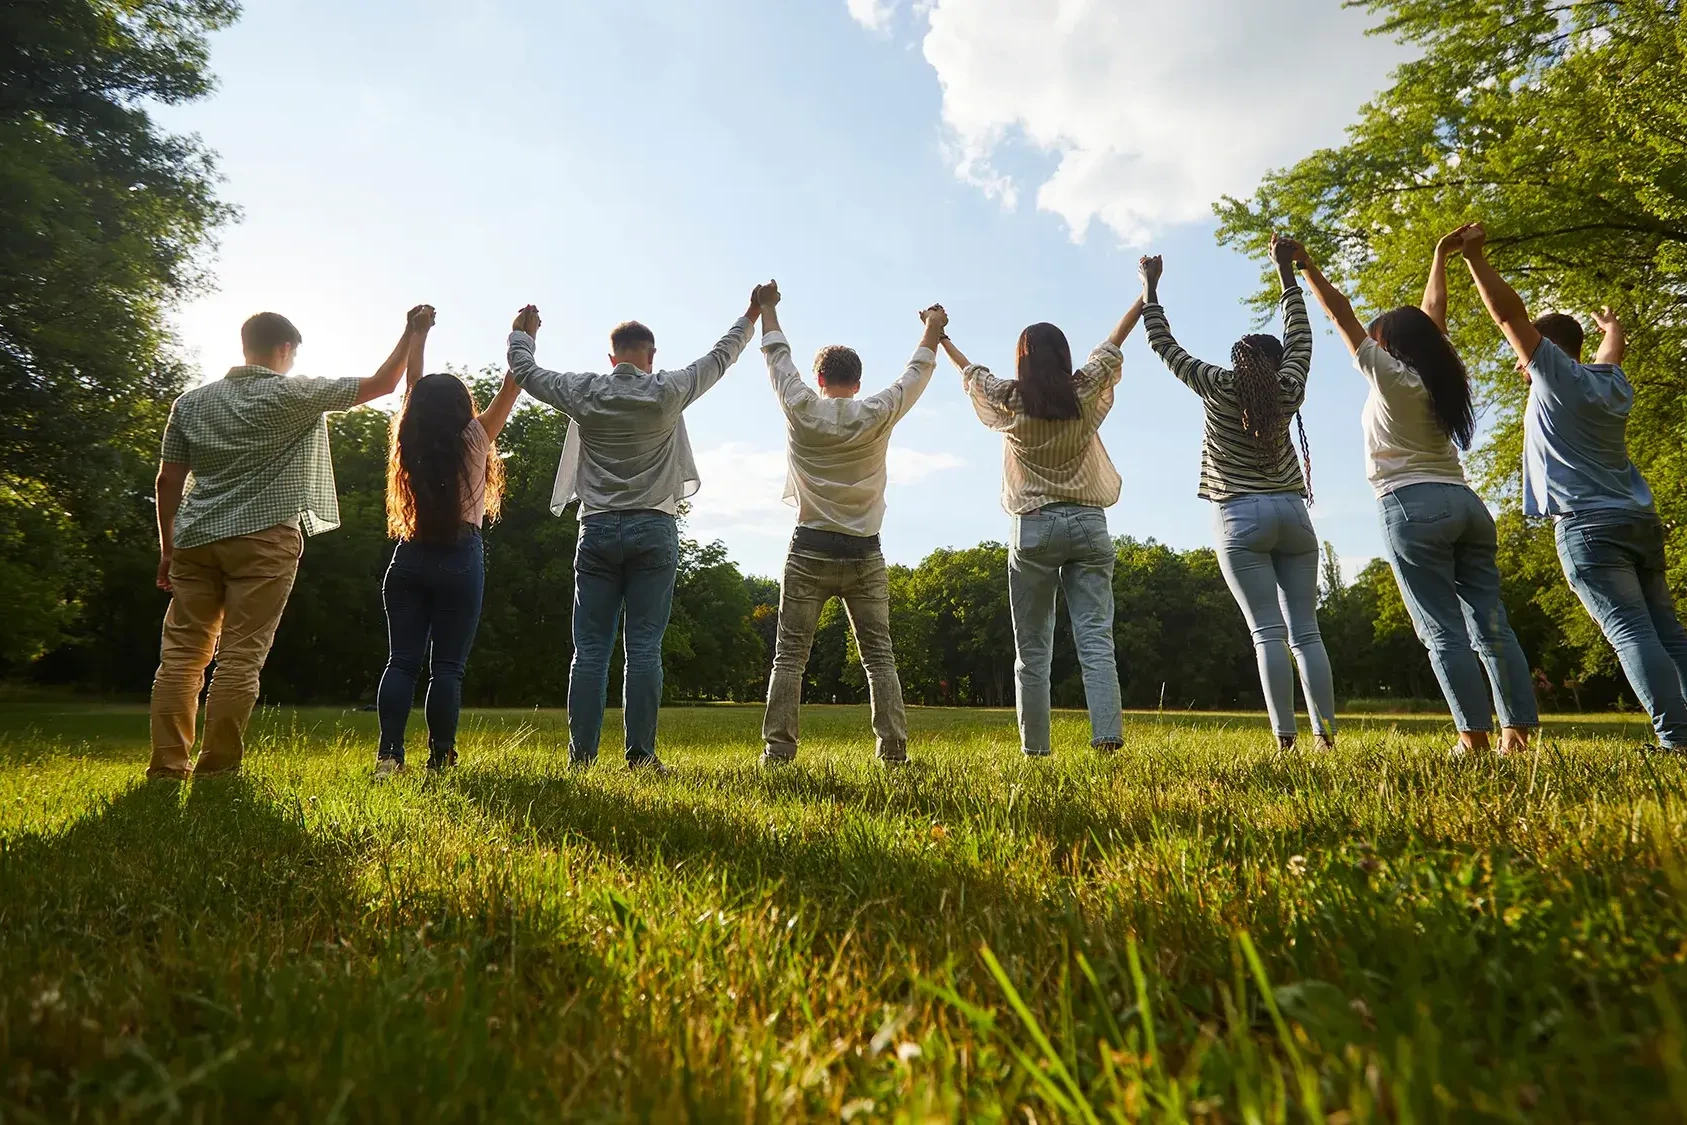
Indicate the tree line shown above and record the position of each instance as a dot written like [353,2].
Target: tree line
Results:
[1560,126]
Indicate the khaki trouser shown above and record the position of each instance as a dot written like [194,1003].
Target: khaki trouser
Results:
[864,586]
[227,599]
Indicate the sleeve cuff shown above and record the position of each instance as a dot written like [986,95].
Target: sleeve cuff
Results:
[1110,348]
[520,338]
[1287,289]
[770,339]
[923,355]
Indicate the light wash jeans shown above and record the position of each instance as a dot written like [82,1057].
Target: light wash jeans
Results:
[864,585]
[1614,559]
[1440,540]
[1269,555]
[1063,547]
[622,559]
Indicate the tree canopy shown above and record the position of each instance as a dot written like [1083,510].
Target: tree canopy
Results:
[105,217]
[1561,125]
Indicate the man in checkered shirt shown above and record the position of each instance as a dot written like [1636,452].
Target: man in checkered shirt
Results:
[244,476]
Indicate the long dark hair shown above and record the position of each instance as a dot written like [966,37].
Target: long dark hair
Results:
[426,474]
[1256,359]
[1410,336]
[1043,367]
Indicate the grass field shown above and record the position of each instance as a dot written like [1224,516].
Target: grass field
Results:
[1197,928]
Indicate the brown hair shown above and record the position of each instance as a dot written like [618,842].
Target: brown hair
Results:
[266,331]
[838,366]
[1043,371]
[630,334]
[426,473]
[1563,330]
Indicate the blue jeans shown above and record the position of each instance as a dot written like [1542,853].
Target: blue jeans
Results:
[432,596]
[1614,559]
[1063,547]
[1440,540]
[1269,555]
[623,559]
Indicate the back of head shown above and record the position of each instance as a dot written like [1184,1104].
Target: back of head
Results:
[266,333]
[1410,336]
[1563,330]
[1043,368]
[1255,359]
[838,367]
[631,342]
[426,463]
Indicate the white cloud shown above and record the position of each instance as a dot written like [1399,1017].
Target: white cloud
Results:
[910,466]
[874,15]
[1151,109]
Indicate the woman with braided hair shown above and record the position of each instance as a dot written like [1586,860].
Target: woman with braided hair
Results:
[1439,536]
[1249,471]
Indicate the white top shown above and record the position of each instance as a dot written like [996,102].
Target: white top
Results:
[1404,443]
[1052,462]
[627,448]
[835,457]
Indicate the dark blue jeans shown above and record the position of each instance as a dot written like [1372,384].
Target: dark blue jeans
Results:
[432,595]
[623,559]
[1614,559]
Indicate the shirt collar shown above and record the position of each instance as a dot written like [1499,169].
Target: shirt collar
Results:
[627,369]
[251,371]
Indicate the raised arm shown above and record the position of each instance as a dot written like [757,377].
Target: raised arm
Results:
[385,380]
[1336,305]
[1435,289]
[1615,344]
[901,395]
[420,322]
[1127,323]
[553,388]
[497,412]
[1197,376]
[776,349]
[1297,329]
[1504,305]
[706,371]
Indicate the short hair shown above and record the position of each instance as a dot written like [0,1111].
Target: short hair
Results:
[630,334]
[264,332]
[1563,330]
[838,366]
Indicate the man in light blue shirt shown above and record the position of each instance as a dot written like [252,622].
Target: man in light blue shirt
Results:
[628,460]
[1576,469]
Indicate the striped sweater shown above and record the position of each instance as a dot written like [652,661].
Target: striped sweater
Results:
[1052,462]
[1231,464]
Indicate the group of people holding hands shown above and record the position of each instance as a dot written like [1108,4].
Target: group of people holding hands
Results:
[245,474]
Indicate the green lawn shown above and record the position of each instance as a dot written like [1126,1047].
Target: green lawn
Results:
[1196,928]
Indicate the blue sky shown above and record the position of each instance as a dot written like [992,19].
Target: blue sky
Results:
[655,158]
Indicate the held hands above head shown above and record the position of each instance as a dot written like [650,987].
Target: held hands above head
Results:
[1149,267]
[527,320]
[761,296]
[419,320]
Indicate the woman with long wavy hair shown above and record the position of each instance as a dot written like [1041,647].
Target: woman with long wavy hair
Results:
[444,480]
[1267,548]
[1439,537]
[1056,482]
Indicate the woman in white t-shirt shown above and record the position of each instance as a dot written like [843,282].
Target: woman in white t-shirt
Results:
[1439,536]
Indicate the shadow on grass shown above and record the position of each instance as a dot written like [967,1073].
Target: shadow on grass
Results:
[207,951]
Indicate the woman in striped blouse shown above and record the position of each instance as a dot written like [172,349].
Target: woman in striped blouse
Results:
[1056,479]
[1266,545]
